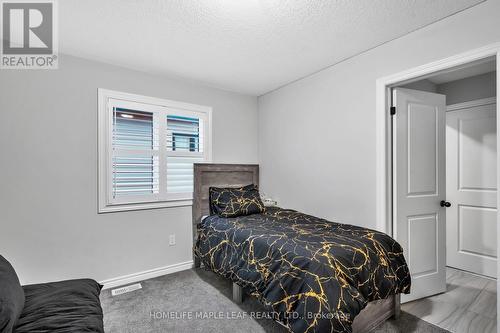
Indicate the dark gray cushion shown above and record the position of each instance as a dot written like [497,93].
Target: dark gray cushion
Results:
[11,296]
[62,307]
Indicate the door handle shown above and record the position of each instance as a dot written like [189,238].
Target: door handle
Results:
[445,204]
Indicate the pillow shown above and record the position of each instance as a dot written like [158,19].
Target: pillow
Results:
[232,202]
[11,296]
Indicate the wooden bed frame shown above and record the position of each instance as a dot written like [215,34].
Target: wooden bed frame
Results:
[236,175]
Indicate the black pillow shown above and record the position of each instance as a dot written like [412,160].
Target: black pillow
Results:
[11,296]
[232,202]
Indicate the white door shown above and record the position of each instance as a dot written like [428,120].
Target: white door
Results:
[471,187]
[419,185]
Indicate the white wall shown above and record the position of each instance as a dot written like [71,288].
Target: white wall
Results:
[459,91]
[469,89]
[422,85]
[317,135]
[49,226]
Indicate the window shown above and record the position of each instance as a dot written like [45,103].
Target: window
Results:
[147,148]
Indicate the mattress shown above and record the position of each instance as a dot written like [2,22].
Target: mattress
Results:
[312,275]
[57,307]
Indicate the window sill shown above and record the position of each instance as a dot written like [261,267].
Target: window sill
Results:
[144,206]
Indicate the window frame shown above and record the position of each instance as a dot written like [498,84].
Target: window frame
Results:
[106,102]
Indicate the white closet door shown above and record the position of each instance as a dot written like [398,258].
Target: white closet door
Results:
[471,188]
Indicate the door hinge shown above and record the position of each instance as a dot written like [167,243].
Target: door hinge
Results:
[393,110]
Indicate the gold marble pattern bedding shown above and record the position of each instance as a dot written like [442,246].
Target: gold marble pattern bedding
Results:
[314,275]
[232,202]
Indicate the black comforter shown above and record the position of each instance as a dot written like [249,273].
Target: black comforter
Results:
[61,307]
[314,275]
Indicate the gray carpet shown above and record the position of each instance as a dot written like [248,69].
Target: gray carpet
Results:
[165,304]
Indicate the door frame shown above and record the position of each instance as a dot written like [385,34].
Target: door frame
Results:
[384,85]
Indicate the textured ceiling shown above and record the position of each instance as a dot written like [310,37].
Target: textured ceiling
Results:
[249,46]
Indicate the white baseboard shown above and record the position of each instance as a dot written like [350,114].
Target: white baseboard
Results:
[149,274]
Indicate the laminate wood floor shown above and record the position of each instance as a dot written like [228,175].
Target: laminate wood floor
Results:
[468,305]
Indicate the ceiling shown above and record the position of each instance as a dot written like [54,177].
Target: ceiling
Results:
[478,68]
[248,46]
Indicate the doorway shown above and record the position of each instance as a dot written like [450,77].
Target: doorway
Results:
[444,162]
[430,198]
[471,228]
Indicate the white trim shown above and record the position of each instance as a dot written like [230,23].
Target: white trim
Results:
[383,86]
[153,104]
[146,205]
[498,186]
[153,100]
[471,104]
[145,275]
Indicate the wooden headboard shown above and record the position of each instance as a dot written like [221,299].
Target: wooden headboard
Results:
[219,175]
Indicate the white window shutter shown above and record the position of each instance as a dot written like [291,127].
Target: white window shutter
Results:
[135,166]
[147,148]
[185,147]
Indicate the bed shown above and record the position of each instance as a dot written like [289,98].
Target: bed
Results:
[312,275]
